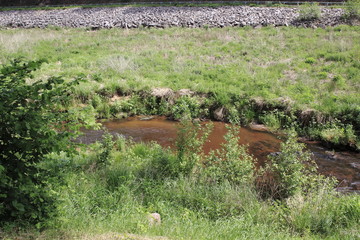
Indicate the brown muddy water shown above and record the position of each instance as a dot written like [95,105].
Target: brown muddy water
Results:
[343,165]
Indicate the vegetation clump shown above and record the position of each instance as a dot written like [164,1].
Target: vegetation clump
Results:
[294,172]
[32,125]
[309,12]
[231,162]
[352,9]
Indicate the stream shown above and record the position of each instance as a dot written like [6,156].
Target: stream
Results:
[344,165]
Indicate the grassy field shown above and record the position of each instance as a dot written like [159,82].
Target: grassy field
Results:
[313,72]
[277,76]
[315,68]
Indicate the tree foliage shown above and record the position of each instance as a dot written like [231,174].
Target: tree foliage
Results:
[32,124]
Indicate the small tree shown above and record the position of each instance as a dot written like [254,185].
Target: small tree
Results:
[31,126]
[191,137]
[231,162]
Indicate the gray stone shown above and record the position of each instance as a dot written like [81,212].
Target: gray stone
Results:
[355,165]
[219,114]
[154,219]
[159,17]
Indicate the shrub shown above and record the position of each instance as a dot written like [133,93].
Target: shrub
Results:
[352,9]
[309,12]
[310,60]
[107,145]
[293,172]
[31,126]
[231,162]
[186,107]
[189,145]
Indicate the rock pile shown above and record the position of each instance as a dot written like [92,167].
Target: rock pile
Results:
[161,17]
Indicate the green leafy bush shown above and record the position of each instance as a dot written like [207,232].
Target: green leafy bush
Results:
[309,11]
[189,145]
[185,107]
[31,126]
[293,171]
[352,9]
[231,162]
[107,145]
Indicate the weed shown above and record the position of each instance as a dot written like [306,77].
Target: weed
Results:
[309,12]
[231,162]
[294,172]
[352,9]
[107,145]
[189,143]
[186,107]
[310,60]
[321,213]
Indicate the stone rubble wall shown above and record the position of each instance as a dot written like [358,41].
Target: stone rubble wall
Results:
[161,17]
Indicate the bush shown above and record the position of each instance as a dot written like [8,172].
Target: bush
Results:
[352,9]
[231,162]
[293,172]
[31,126]
[107,145]
[309,12]
[186,107]
[189,144]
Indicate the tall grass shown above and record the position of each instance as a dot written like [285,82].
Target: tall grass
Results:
[216,60]
[289,71]
[97,200]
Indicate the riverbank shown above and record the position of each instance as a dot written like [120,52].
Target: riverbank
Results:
[275,116]
[305,77]
[343,165]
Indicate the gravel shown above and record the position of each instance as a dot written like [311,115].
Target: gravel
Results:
[161,17]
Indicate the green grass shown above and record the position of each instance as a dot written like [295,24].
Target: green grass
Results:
[112,188]
[95,202]
[304,65]
[311,70]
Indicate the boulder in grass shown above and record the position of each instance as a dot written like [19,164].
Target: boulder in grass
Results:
[219,114]
[154,219]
